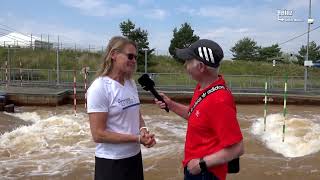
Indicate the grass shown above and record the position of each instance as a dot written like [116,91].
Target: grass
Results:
[170,72]
[46,59]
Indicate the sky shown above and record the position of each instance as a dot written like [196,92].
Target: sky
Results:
[93,22]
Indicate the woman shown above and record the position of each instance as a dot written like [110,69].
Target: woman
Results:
[114,113]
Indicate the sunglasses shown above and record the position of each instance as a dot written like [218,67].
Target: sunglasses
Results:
[131,56]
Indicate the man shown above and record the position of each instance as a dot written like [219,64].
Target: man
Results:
[213,135]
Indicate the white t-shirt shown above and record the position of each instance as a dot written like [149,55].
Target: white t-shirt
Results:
[122,104]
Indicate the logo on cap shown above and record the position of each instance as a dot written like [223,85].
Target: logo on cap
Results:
[206,54]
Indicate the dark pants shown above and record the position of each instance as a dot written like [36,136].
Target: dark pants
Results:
[202,176]
[120,169]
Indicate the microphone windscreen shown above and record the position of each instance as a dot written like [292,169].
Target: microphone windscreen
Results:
[146,82]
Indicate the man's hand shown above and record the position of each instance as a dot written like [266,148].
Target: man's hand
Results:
[194,167]
[161,104]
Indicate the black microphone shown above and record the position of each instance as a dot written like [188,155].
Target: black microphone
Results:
[148,85]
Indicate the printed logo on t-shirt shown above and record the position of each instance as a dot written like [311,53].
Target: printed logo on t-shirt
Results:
[197,113]
[127,103]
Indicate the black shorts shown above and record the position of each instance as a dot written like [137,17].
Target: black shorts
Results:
[202,176]
[119,169]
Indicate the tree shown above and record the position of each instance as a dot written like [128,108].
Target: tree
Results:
[266,53]
[245,49]
[139,36]
[182,38]
[127,27]
[314,53]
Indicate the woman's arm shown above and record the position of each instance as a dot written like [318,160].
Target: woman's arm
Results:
[142,123]
[144,132]
[99,133]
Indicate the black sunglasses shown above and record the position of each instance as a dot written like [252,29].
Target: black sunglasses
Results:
[131,56]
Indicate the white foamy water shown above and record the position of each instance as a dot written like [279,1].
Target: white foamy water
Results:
[49,146]
[302,136]
[170,133]
[27,116]
[57,144]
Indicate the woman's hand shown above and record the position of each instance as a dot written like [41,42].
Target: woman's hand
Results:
[147,139]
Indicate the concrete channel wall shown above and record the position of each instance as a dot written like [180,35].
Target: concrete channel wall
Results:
[44,97]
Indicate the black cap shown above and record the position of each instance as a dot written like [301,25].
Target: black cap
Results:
[204,50]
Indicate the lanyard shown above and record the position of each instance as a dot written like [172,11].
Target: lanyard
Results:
[204,95]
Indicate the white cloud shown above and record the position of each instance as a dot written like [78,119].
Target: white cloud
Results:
[224,24]
[93,7]
[120,9]
[106,8]
[211,11]
[9,14]
[297,4]
[160,41]
[186,10]
[144,2]
[159,14]
[223,32]
[259,23]
[228,36]
[67,36]
[220,12]
[98,7]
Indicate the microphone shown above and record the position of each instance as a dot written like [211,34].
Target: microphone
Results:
[148,85]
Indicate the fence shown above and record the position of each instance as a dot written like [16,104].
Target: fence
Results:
[48,78]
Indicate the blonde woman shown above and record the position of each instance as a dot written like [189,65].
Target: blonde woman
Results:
[116,123]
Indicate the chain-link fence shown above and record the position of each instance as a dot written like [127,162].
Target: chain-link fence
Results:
[47,78]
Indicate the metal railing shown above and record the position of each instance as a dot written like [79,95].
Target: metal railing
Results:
[47,78]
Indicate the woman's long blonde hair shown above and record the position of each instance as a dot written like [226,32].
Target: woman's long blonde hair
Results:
[116,43]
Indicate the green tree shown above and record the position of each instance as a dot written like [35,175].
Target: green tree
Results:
[266,53]
[127,27]
[245,49]
[314,53]
[140,36]
[182,38]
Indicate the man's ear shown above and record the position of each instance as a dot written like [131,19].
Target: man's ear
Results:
[202,67]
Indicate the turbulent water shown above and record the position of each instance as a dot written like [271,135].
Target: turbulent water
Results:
[301,137]
[58,145]
[53,144]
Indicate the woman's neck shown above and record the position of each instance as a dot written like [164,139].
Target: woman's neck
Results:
[117,76]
